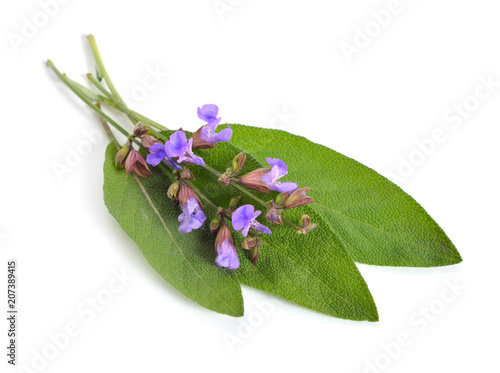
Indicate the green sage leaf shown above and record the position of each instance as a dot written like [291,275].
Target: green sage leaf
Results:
[186,261]
[379,223]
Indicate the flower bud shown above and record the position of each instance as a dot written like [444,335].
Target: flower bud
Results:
[121,156]
[249,243]
[305,225]
[224,179]
[297,198]
[305,220]
[234,202]
[135,163]
[238,163]
[224,234]
[173,190]
[215,224]
[185,192]
[148,141]
[280,198]
[139,130]
[274,214]
[187,174]
[253,245]
[198,143]
[253,180]
[255,254]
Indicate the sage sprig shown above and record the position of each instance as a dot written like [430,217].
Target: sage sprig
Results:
[220,207]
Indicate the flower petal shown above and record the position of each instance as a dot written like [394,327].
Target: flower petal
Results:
[208,133]
[197,160]
[242,217]
[172,164]
[177,144]
[192,216]
[284,187]
[178,138]
[260,227]
[227,256]
[271,177]
[200,216]
[208,112]
[156,155]
[279,163]
[185,227]
[224,135]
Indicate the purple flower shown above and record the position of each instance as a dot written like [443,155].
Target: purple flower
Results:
[278,170]
[244,218]
[192,216]
[208,113]
[157,153]
[178,146]
[226,255]
[224,246]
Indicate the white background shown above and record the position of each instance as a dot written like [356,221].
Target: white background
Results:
[254,60]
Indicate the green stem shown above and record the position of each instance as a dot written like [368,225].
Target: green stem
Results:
[91,94]
[101,68]
[104,119]
[94,96]
[114,92]
[120,106]
[150,122]
[83,97]
[108,131]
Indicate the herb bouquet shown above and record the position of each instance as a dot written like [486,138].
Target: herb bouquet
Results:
[233,204]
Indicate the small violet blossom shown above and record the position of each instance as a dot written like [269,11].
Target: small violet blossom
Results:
[278,170]
[157,153]
[244,218]
[208,113]
[225,248]
[192,216]
[226,255]
[179,146]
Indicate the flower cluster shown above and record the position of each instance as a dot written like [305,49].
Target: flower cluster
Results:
[192,216]
[177,152]
[180,148]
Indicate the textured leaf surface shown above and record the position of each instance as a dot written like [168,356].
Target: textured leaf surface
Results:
[313,270]
[186,261]
[379,223]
